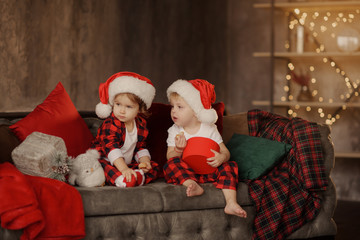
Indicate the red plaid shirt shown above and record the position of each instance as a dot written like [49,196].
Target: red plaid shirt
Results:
[112,132]
[286,198]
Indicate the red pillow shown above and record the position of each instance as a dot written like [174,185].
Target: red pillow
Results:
[159,122]
[57,116]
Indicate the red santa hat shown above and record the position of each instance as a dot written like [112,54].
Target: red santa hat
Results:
[123,82]
[199,94]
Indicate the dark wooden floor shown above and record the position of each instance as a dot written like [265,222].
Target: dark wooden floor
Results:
[347,218]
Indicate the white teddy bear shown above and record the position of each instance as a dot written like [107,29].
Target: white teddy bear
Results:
[86,171]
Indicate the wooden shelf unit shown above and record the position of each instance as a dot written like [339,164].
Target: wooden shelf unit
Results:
[306,104]
[307,54]
[315,6]
[327,5]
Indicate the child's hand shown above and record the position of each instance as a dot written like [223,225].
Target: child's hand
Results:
[217,159]
[180,141]
[127,174]
[145,166]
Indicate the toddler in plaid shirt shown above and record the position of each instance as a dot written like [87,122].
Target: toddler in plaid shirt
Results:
[193,117]
[121,138]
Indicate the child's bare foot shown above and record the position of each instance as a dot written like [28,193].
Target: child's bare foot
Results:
[193,188]
[235,209]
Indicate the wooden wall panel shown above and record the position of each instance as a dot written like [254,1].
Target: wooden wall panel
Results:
[82,42]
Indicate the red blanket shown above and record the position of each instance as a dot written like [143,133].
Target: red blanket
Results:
[44,208]
[286,198]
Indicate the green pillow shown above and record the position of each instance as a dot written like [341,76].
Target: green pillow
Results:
[255,156]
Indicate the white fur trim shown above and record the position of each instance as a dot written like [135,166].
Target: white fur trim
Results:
[127,84]
[119,182]
[192,96]
[143,176]
[103,110]
[207,116]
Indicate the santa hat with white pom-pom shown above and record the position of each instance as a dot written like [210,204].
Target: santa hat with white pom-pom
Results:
[199,94]
[123,82]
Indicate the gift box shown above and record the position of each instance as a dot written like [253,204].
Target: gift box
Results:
[197,151]
[41,155]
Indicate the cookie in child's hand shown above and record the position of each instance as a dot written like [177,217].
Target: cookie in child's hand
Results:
[142,165]
[178,135]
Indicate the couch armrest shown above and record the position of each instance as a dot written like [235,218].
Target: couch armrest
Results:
[237,123]
[327,147]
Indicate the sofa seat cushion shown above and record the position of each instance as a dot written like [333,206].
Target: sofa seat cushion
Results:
[110,200]
[175,199]
[153,198]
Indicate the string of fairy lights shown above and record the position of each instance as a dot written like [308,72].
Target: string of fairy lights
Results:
[317,23]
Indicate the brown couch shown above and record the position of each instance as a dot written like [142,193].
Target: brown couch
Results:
[162,211]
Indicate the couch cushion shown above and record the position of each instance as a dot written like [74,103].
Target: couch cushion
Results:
[110,200]
[93,124]
[236,123]
[175,199]
[152,198]
[57,116]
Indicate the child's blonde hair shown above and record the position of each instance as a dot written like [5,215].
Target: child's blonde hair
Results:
[174,95]
[136,99]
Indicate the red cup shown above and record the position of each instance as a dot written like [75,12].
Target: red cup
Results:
[196,152]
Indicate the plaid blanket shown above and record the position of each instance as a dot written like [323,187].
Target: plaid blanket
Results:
[285,198]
